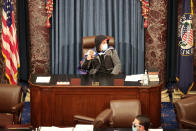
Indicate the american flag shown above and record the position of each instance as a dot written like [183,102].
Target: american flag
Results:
[9,42]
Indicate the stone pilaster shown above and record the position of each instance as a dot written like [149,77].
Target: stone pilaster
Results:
[39,38]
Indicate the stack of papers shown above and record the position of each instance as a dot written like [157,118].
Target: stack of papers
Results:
[43,79]
[83,127]
[53,128]
[63,83]
[78,127]
[134,78]
[154,77]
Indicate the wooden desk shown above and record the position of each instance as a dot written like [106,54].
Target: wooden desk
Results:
[53,105]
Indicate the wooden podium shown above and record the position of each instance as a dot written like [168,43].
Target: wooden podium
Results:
[55,105]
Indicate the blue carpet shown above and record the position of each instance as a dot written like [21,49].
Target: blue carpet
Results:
[26,118]
[168,117]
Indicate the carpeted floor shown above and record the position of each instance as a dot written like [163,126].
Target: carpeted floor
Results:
[26,117]
[168,117]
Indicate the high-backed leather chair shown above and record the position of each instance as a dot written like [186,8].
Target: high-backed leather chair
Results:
[88,42]
[121,114]
[124,112]
[185,112]
[10,105]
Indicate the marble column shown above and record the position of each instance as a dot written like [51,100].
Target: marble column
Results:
[155,39]
[39,38]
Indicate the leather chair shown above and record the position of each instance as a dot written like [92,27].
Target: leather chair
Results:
[101,121]
[88,42]
[121,115]
[185,112]
[10,105]
[124,112]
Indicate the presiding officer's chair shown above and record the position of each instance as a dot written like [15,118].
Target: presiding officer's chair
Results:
[88,42]
[121,115]
[10,105]
[185,112]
